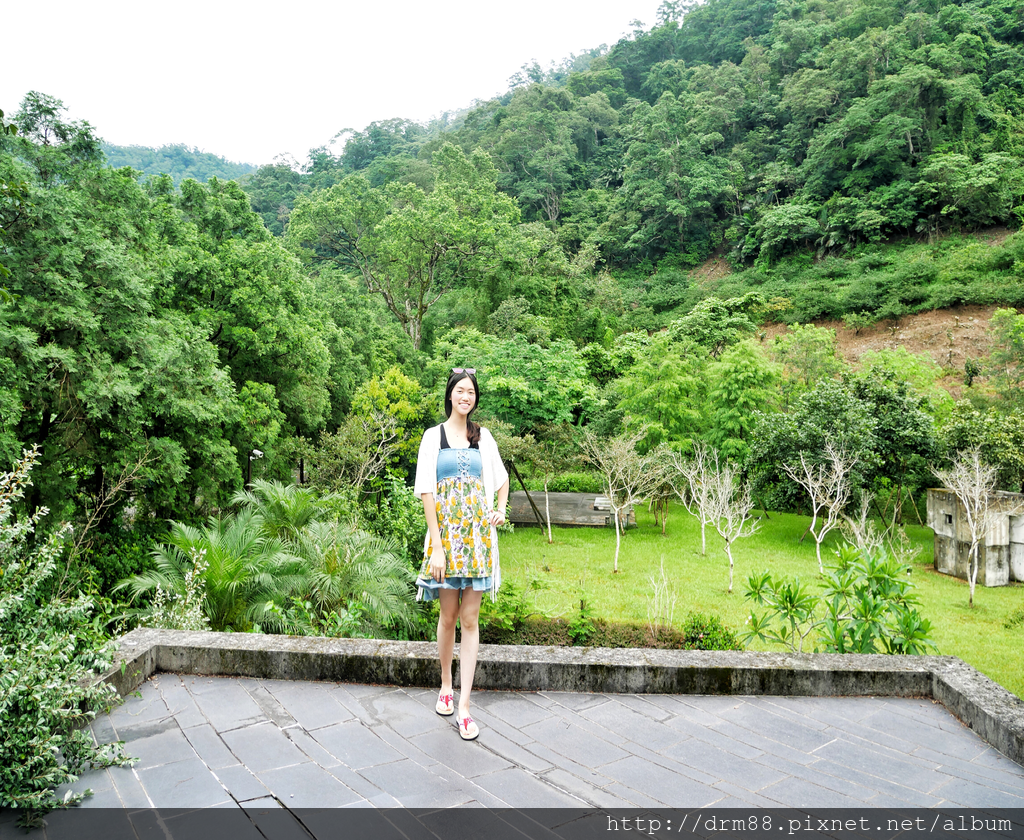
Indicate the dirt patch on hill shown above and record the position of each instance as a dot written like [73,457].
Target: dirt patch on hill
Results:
[947,336]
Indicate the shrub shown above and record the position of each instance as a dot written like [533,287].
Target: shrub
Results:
[867,606]
[567,482]
[51,655]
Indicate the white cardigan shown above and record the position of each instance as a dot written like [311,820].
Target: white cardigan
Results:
[494,474]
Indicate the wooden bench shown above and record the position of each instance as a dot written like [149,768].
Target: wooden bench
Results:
[572,510]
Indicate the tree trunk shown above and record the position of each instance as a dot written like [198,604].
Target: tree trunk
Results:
[618,539]
[529,498]
[728,553]
[547,509]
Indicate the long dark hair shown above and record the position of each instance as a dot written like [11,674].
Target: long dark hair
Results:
[472,429]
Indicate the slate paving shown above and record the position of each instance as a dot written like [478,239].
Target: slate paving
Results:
[203,742]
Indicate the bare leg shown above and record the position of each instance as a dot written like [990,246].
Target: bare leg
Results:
[449,600]
[469,644]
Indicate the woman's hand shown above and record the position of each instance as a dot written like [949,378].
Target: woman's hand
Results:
[437,564]
[497,517]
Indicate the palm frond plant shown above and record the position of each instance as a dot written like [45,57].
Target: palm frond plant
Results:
[353,573]
[245,569]
[285,508]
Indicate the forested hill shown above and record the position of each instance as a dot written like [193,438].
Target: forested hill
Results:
[760,127]
[177,160]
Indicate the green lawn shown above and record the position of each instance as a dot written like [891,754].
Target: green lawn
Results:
[580,561]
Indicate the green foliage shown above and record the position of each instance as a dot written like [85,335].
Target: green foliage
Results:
[52,652]
[508,612]
[523,384]
[743,385]
[280,551]
[568,482]
[179,161]
[997,435]
[119,553]
[409,246]
[245,568]
[707,631]
[666,392]
[1016,619]
[581,625]
[866,605]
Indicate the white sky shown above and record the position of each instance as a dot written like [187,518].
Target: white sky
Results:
[250,81]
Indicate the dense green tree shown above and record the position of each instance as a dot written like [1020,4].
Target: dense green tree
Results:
[177,160]
[409,246]
[272,190]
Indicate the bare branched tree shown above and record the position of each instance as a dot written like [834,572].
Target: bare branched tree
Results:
[828,485]
[860,530]
[729,507]
[692,485]
[109,493]
[357,453]
[973,482]
[628,477]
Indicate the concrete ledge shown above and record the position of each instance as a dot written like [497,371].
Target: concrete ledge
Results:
[986,707]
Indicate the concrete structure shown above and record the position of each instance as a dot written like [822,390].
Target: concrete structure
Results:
[248,736]
[1000,555]
[986,707]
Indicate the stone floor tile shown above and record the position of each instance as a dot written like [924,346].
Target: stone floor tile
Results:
[225,703]
[160,748]
[804,793]
[513,752]
[407,717]
[707,734]
[355,745]
[554,758]
[956,742]
[1009,777]
[576,701]
[721,766]
[515,709]
[263,747]
[415,786]
[632,725]
[972,794]
[309,747]
[312,705]
[241,784]
[645,705]
[139,711]
[591,794]
[780,728]
[909,788]
[814,778]
[467,758]
[307,785]
[664,786]
[730,737]
[184,784]
[523,790]
[179,700]
[269,704]
[575,742]
[872,761]
[209,746]
[129,788]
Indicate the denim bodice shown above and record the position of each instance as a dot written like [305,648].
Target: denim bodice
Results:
[459,463]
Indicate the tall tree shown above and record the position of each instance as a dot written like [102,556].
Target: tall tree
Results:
[409,246]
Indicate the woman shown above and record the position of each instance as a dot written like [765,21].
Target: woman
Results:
[458,474]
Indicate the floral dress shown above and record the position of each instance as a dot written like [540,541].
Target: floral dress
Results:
[462,518]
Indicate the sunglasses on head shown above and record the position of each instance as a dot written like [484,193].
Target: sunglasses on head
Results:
[464,370]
